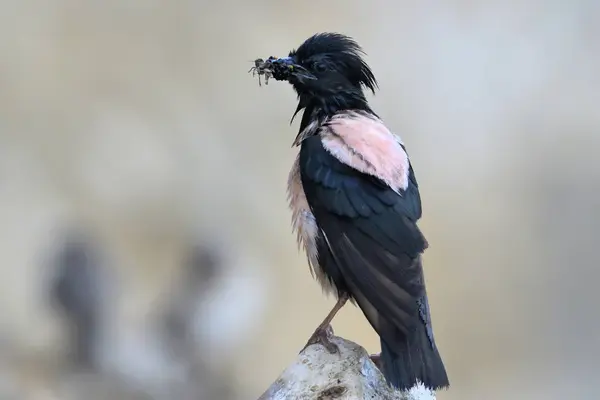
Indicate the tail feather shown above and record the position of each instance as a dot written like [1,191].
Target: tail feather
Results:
[418,361]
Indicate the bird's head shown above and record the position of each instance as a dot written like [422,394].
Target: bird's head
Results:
[326,63]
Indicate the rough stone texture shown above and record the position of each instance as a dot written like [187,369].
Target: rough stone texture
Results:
[317,374]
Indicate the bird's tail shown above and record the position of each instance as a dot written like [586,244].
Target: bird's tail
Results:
[417,360]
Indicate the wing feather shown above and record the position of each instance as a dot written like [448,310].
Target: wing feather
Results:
[371,232]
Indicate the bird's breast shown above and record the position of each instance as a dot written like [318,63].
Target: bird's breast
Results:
[305,225]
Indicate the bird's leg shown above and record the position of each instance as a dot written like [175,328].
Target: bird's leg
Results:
[321,335]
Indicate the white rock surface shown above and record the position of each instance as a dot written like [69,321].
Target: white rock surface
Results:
[350,374]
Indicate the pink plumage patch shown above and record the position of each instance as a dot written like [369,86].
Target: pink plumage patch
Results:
[364,143]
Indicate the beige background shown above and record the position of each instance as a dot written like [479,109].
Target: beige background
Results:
[138,119]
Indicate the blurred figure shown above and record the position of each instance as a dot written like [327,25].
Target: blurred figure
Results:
[77,291]
[201,267]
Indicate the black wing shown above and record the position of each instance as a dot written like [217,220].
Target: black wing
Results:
[369,242]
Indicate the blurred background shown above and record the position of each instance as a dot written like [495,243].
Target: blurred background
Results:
[147,250]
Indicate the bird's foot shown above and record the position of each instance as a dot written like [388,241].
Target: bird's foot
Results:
[322,335]
[376,359]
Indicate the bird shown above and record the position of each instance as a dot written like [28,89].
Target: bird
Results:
[355,204]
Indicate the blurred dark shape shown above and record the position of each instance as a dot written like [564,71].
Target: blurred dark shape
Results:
[200,269]
[199,273]
[76,292]
[201,265]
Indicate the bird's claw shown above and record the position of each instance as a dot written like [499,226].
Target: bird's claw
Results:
[322,336]
[376,359]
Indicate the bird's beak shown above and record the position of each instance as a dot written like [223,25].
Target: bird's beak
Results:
[286,68]
[283,61]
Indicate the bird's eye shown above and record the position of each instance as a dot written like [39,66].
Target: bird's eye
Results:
[319,67]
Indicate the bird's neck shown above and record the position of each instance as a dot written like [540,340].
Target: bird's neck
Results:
[319,108]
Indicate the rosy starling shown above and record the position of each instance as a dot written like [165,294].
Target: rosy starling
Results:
[355,203]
